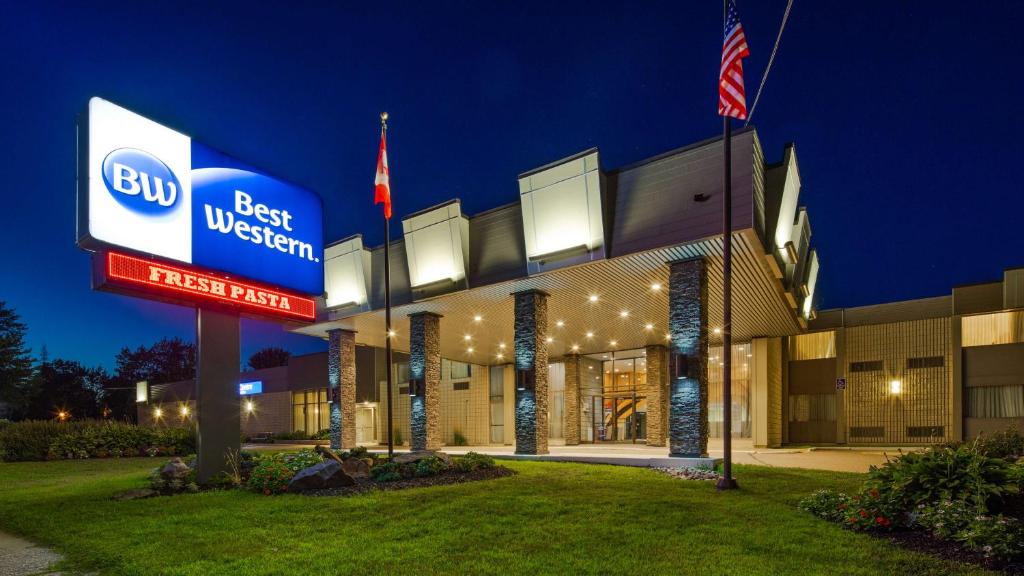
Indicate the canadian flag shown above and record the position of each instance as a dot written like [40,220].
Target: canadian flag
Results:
[382,183]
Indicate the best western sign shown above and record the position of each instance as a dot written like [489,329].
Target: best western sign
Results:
[151,190]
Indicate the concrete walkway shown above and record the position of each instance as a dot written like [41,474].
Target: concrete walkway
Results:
[838,459]
[22,558]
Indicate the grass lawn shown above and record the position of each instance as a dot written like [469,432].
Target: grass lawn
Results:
[550,518]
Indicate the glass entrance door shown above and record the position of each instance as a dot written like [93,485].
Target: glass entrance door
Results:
[620,418]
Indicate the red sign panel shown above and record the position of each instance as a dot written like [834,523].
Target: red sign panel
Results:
[177,281]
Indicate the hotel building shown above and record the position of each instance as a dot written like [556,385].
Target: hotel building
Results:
[589,311]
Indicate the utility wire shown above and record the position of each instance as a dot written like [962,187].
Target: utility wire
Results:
[771,60]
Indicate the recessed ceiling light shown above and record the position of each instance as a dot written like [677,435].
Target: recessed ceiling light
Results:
[467,337]
[500,355]
[470,349]
[502,345]
[593,297]
[624,313]
[560,323]
[477,318]
[718,330]
[655,286]
[614,343]
[391,333]
[550,339]
[590,334]
[575,347]
[668,336]
[649,326]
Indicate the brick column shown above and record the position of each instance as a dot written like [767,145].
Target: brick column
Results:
[572,399]
[688,328]
[341,377]
[657,394]
[531,349]
[425,364]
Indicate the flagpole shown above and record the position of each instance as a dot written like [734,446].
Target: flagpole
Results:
[387,310]
[726,482]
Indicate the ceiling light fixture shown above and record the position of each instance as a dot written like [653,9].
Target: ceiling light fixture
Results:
[593,297]
[477,318]
[649,326]
[624,313]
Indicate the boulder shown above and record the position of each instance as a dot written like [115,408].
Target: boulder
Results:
[327,474]
[176,469]
[414,457]
[356,468]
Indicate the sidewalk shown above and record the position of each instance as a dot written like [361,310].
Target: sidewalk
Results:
[837,459]
[22,558]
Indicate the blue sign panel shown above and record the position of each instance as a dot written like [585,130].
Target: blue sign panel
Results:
[157,191]
[247,388]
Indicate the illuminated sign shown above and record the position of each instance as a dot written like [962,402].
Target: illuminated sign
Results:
[142,391]
[150,189]
[247,388]
[193,285]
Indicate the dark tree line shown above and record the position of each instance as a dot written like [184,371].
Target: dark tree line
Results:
[42,389]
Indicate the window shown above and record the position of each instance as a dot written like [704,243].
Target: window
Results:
[461,370]
[926,362]
[995,401]
[310,411]
[869,366]
[497,398]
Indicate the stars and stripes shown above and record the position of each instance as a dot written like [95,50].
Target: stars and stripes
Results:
[732,98]
[382,182]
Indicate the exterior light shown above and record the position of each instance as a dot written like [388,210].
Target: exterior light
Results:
[466,337]
[549,339]
[718,330]
[158,413]
[895,386]
[668,336]
[391,333]
[575,347]
[655,286]
[249,407]
[560,323]
[500,355]
[649,327]
[593,297]
[614,343]
[624,314]
[477,318]
[470,350]
[590,334]
[184,411]
[62,415]
[502,345]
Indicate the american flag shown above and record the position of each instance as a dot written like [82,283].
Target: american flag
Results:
[732,98]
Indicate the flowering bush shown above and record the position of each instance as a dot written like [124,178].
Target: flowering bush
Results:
[270,476]
[945,519]
[871,510]
[993,536]
[828,504]
[302,459]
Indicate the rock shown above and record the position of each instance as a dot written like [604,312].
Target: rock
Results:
[176,469]
[327,474]
[414,457]
[135,494]
[356,468]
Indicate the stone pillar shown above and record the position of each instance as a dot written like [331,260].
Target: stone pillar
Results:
[531,349]
[425,365]
[341,377]
[657,394]
[572,399]
[688,388]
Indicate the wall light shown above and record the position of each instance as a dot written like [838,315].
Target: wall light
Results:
[249,406]
[158,413]
[184,411]
[895,387]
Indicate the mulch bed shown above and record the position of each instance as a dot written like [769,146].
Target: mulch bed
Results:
[364,485]
[927,544]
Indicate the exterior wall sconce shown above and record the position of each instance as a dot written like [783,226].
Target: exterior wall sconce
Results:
[526,379]
[896,387]
[416,386]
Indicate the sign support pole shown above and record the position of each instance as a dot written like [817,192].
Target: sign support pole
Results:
[218,418]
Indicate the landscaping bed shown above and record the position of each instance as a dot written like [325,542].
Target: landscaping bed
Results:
[452,476]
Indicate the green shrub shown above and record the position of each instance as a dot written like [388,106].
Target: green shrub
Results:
[994,537]
[386,472]
[1008,444]
[359,452]
[474,461]
[296,435]
[458,439]
[397,436]
[48,439]
[937,474]
[945,519]
[827,504]
[270,476]
[323,434]
[430,466]
[873,510]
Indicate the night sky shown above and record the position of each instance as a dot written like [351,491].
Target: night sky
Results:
[904,115]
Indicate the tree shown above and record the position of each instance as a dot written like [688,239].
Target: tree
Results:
[16,384]
[67,386]
[169,360]
[270,357]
